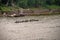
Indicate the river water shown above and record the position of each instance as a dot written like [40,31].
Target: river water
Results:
[47,28]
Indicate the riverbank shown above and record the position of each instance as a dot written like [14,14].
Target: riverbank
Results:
[29,12]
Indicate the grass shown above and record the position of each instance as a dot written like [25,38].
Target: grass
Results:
[8,8]
[39,8]
[45,7]
[53,7]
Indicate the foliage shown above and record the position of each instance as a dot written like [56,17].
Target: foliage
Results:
[29,3]
[8,8]
[54,7]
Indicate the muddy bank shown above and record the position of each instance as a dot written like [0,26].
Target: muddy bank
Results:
[25,12]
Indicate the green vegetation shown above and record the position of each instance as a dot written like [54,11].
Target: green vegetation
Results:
[8,5]
[8,8]
[53,7]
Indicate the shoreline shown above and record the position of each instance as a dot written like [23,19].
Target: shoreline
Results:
[29,12]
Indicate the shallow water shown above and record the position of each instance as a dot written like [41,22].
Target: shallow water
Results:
[47,28]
